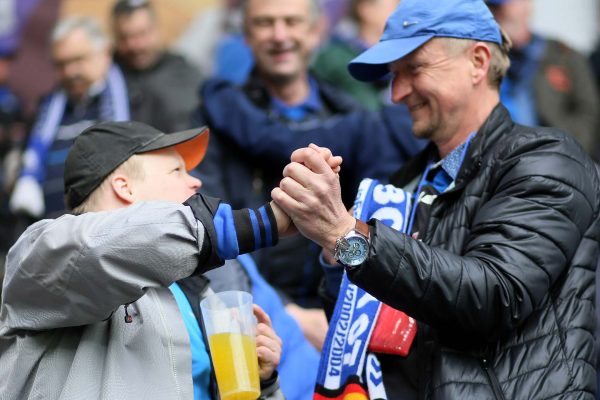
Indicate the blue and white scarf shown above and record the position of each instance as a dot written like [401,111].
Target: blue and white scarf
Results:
[114,106]
[346,367]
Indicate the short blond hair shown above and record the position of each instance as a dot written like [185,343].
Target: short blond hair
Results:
[499,62]
[132,168]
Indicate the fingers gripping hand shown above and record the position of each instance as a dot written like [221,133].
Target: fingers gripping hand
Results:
[334,162]
[284,223]
[268,344]
[310,194]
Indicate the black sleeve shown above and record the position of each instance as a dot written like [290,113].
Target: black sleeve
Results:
[254,229]
[204,209]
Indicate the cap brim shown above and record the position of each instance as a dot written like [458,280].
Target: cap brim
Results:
[190,144]
[372,64]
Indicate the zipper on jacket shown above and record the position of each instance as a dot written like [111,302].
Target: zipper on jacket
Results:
[493,379]
[128,318]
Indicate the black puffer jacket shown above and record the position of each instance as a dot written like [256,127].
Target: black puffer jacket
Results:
[503,282]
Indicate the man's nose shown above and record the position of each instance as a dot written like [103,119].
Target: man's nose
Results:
[280,31]
[70,69]
[401,87]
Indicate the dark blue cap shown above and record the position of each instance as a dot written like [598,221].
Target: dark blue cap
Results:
[417,21]
[495,2]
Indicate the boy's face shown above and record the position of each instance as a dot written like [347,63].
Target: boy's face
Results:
[164,178]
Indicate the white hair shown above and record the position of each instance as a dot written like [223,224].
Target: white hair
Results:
[89,25]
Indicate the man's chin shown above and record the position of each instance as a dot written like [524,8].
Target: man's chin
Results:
[280,76]
[76,93]
[421,131]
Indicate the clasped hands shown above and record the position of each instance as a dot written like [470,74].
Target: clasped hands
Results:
[309,199]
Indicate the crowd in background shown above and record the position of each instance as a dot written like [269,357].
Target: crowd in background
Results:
[222,73]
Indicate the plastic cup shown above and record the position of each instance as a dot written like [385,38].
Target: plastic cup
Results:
[230,326]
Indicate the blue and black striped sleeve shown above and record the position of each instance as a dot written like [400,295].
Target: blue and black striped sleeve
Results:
[229,232]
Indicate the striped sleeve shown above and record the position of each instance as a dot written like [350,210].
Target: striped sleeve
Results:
[245,230]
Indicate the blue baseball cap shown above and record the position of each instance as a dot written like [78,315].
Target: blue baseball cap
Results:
[414,22]
[495,2]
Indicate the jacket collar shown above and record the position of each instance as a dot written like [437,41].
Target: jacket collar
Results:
[332,100]
[497,124]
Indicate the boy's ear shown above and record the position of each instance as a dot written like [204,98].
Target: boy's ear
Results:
[122,188]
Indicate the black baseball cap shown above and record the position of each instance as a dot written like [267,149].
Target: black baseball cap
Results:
[101,148]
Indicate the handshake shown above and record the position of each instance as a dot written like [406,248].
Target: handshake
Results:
[308,199]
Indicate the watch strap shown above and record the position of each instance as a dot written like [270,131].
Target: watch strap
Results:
[362,228]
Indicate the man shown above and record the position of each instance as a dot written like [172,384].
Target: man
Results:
[89,307]
[90,90]
[284,97]
[548,83]
[495,260]
[282,36]
[162,86]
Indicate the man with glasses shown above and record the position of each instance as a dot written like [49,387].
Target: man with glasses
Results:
[91,89]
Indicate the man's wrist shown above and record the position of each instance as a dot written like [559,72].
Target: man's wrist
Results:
[344,227]
[352,249]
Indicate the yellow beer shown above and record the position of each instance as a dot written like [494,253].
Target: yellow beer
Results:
[236,365]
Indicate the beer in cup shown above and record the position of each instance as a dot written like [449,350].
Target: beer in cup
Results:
[231,330]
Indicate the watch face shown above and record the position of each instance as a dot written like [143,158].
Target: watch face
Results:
[355,252]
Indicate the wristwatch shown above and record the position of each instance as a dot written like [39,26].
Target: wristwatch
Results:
[352,249]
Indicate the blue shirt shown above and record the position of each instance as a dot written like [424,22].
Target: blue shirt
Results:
[450,165]
[311,105]
[440,175]
[200,359]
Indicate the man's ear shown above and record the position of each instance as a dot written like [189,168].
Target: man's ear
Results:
[122,188]
[481,57]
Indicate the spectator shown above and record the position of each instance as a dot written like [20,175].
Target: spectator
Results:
[496,259]
[131,238]
[162,86]
[353,35]
[90,90]
[548,83]
[282,36]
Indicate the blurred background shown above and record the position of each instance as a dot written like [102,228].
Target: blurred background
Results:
[27,23]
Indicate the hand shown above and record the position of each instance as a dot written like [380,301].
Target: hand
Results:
[310,194]
[313,323]
[334,162]
[285,226]
[268,344]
